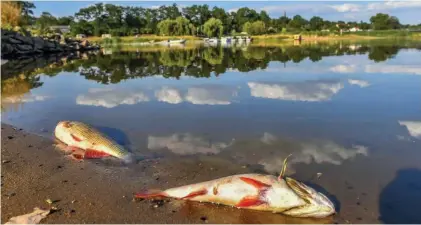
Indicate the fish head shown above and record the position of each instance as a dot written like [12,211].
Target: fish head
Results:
[63,132]
[317,204]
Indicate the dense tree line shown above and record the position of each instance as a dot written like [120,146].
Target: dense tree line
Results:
[192,20]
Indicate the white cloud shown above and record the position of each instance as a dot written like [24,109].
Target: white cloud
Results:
[312,91]
[319,152]
[343,68]
[414,128]
[186,144]
[347,7]
[392,4]
[169,95]
[109,97]
[210,95]
[408,69]
[361,83]
[268,138]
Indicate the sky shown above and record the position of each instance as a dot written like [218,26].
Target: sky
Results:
[408,12]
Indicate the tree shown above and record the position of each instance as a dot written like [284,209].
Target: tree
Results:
[66,20]
[297,22]
[26,12]
[244,15]
[316,23]
[383,21]
[213,28]
[44,22]
[254,28]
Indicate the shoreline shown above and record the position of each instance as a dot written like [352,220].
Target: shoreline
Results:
[95,191]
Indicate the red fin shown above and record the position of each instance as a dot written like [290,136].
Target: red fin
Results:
[196,193]
[76,138]
[249,201]
[255,183]
[150,194]
[77,156]
[94,154]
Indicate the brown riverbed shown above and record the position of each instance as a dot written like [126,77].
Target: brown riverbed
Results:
[101,191]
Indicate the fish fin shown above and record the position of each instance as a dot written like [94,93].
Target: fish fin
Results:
[255,183]
[95,154]
[284,168]
[196,193]
[76,156]
[76,138]
[250,201]
[150,194]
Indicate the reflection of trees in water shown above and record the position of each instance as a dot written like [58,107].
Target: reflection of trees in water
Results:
[14,89]
[196,62]
[382,53]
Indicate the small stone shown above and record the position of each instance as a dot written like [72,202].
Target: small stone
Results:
[10,137]
[29,146]
[156,206]
[58,167]
[204,218]
[5,161]
[73,201]
[49,201]
[11,194]
[358,203]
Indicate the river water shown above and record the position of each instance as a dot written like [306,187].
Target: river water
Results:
[350,111]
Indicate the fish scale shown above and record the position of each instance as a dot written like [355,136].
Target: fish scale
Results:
[83,136]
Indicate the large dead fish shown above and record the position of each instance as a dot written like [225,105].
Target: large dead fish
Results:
[87,142]
[255,191]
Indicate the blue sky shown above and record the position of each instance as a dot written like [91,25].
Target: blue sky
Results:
[406,11]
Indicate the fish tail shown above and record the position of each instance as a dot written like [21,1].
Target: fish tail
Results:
[151,194]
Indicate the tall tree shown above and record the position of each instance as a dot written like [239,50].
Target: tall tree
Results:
[213,28]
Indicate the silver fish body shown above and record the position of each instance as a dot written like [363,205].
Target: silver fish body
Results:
[257,192]
[82,136]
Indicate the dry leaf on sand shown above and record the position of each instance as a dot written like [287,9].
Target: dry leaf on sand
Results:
[30,218]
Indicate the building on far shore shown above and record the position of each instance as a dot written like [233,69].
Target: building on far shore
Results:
[355,29]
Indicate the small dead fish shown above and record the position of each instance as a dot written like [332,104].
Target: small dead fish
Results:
[86,142]
[255,191]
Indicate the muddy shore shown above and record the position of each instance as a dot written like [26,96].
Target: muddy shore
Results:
[100,191]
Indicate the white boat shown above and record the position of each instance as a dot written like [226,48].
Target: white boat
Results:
[227,40]
[181,41]
[212,40]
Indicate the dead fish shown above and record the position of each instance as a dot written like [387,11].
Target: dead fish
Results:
[86,142]
[255,191]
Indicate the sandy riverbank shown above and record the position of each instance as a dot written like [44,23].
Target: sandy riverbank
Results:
[101,192]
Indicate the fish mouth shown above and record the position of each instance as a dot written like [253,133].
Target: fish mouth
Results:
[310,196]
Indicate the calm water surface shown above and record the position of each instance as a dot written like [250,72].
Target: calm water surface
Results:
[351,111]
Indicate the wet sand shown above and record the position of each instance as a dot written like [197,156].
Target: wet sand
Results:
[100,191]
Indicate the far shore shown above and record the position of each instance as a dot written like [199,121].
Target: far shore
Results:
[268,37]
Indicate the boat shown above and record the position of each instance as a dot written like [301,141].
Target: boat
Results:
[180,41]
[212,40]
